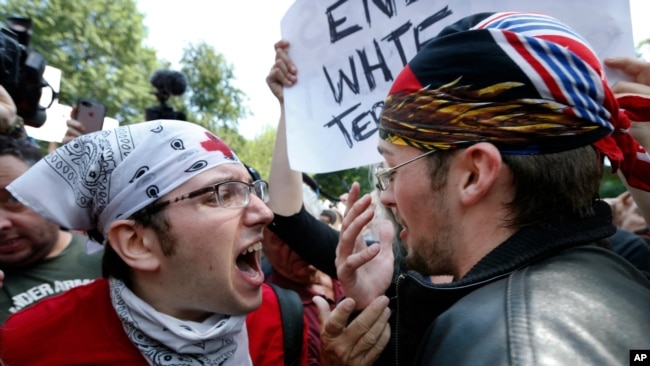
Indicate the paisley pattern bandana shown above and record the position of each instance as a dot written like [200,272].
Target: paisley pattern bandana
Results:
[164,340]
[524,82]
[104,176]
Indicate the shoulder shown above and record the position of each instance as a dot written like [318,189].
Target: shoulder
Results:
[72,302]
[547,309]
[56,327]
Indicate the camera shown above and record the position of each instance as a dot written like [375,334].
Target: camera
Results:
[166,83]
[21,70]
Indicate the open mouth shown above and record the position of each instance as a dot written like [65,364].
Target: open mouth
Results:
[9,245]
[248,260]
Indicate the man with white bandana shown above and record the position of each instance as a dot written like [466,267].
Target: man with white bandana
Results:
[181,220]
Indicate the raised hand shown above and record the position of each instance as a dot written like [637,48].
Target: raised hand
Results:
[7,110]
[283,73]
[365,271]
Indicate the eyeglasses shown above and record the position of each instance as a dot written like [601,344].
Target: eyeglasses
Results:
[384,175]
[229,194]
[48,96]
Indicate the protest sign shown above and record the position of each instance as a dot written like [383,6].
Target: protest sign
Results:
[348,52]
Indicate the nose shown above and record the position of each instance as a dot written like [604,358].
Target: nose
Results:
[5,222]
[387,197]
[258,212]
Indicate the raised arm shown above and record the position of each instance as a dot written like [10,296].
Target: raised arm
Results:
[285,184]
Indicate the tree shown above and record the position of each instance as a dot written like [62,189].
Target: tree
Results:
[337,183]
[99,47]
[258,152]
[212,101]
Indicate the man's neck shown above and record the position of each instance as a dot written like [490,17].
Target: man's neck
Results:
[476,243]
[64,239]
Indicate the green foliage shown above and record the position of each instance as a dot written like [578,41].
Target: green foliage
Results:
[99,47]
[212,101]
[611,185]
[257,153]
[337,183]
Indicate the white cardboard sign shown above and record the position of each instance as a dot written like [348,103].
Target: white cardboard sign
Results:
[348,53]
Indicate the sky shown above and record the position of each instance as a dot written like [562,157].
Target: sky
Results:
[244,32]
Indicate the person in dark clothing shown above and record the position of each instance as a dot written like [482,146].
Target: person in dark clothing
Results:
[467,148]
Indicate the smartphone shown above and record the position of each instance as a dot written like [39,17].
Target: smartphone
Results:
[91,113]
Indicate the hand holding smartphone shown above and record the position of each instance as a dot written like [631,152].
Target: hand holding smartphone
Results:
[91,114]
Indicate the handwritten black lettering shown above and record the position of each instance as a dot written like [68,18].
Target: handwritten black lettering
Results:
[335,34]
[361,127]
[337,91]
[394,37]
[385,6]
[358,128]
[431,20]
[355,123]
[339,122]
[368,69]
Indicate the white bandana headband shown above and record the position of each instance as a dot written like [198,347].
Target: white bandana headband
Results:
[104,176]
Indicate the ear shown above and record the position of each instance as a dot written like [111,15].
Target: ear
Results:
[481,166]
[626,198]
[137,246]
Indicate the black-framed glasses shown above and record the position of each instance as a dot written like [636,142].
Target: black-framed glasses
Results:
[48,96]
[228,194]
[384,175]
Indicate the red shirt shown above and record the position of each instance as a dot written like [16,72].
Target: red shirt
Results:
[77,327]
[81,327]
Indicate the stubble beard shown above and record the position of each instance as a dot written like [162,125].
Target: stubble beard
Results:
[432,255]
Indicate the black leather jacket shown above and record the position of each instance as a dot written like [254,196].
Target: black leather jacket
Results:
[549,295]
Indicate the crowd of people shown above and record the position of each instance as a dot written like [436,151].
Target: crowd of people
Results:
[485,240]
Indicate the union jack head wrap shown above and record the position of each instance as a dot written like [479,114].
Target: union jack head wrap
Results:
[525,82]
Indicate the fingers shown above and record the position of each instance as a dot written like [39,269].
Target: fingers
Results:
[628,87]
[372,329]
[7,109]
[75,129]
[639,70]
[356,218]
[333,322]
[6,102]
[283,73]
[386,235]
[626,64]
[353,195]
[362,341]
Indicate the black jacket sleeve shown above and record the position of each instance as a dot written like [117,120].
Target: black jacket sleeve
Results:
[312,239]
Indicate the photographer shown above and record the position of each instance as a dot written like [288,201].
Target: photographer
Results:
[21,79]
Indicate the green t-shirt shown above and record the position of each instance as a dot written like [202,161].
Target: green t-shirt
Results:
[72,267]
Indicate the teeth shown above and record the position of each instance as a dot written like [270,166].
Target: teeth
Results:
[253,248]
